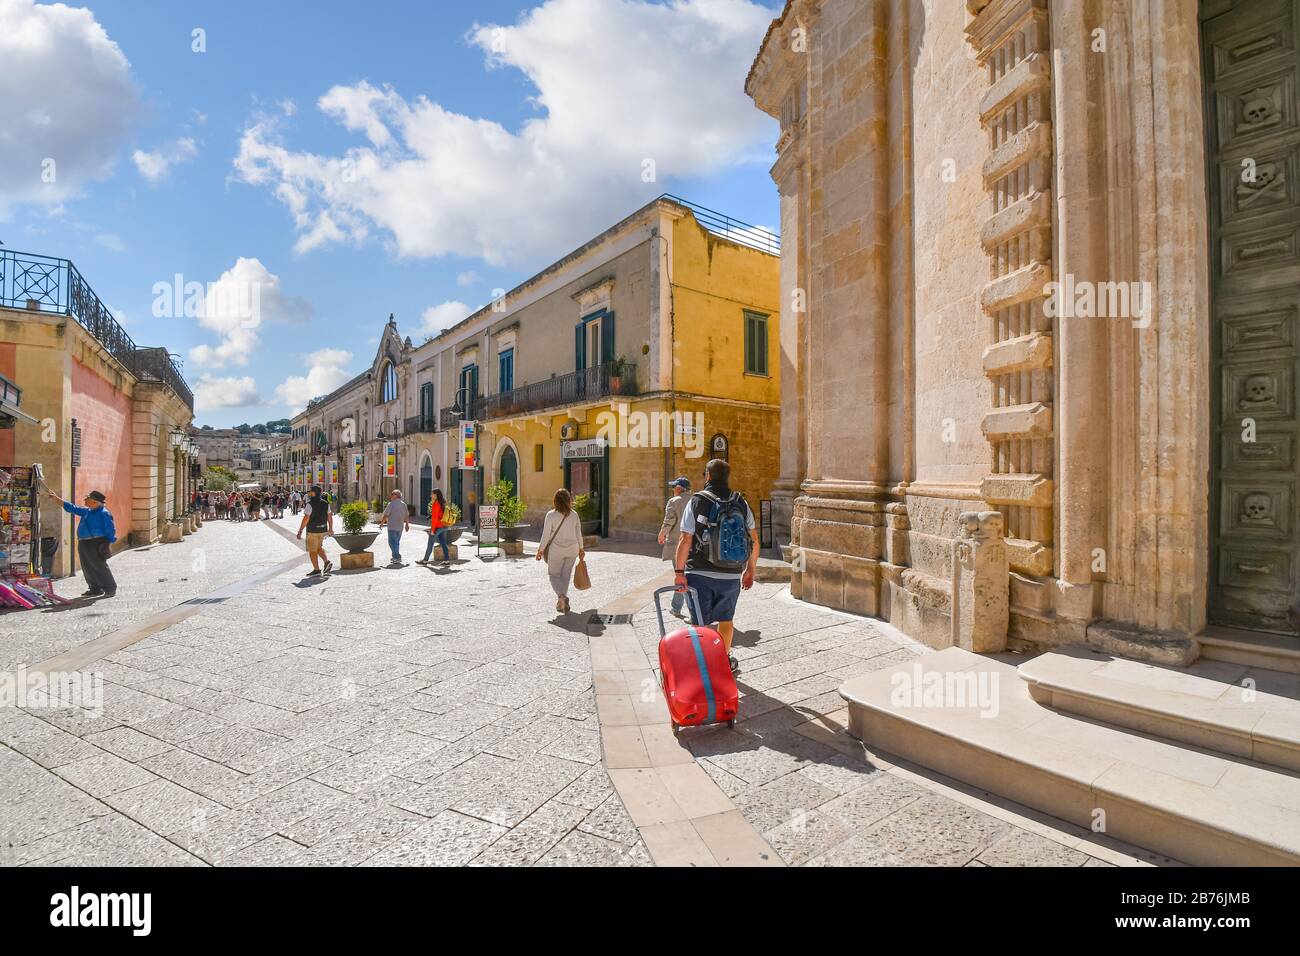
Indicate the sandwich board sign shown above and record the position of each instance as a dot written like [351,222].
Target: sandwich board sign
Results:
[489,533]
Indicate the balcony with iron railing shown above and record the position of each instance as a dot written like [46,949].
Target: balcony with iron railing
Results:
[50,286]
[584,385]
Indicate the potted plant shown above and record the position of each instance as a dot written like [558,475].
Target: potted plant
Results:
[510,510]
[585,505]
[355,517]
[451,514]
[617,370]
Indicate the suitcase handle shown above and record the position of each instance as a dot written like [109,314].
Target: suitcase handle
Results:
[695,606]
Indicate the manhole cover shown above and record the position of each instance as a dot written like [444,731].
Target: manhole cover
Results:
[611,619]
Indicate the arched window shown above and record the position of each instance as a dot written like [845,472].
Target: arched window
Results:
[388,384]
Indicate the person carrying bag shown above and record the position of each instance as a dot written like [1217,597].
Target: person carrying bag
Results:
[562,550]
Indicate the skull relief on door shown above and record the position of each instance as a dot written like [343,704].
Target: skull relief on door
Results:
[1257,508]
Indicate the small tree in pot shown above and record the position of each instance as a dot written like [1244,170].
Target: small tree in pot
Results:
[354,539]
[510,510]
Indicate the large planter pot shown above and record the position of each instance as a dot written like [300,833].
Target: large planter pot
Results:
[513,533]
[356,543]
[453,533]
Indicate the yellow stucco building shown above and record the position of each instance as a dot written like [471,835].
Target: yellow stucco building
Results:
[631,360]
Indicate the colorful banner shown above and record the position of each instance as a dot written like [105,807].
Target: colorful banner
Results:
[357,463]
[334,472]
[318,473]
[468,445]
[390,461]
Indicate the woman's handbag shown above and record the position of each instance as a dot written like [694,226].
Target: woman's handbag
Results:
[581,579]
[546,547]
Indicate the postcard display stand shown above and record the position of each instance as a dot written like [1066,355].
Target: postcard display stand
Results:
[21,587]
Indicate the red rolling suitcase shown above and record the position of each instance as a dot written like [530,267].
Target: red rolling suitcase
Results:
[696,675]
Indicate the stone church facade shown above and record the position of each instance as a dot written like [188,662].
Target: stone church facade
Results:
[1039,342]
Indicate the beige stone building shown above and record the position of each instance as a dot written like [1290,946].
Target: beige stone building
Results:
[1040,347]
[1049,255]
[579,377]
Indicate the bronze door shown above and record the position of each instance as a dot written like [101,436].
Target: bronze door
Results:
[1251,57]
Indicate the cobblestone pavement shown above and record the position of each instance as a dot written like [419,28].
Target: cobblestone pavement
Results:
[382,717]
[815,794]
[415,716]
[150,580]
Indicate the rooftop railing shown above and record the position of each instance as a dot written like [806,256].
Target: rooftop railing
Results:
[44,284]
[720,224]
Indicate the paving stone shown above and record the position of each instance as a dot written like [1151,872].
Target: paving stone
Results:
[611,821]
[936,831]
[878,798]
[1022,848]
[805,836]
[584,849]
[449,839]
[104,774]
[161,806]
[781,801]
[128,743]
[109,841]
[588,791]
[45,815]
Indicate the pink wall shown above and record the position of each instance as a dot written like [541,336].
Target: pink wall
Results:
[8,355]
[104,415]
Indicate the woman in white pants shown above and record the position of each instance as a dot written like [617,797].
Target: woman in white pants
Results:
[561,547]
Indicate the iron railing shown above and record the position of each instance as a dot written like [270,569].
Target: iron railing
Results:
[51,286]
[448,418]
[720,224]
[157,365]
[421,423]
[599,381]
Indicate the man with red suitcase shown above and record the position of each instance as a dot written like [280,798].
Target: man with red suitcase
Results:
[717,551]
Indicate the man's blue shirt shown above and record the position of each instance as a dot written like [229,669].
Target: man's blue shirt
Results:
[95,522]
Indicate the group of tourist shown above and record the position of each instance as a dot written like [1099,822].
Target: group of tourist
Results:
[252,505]
[709,536]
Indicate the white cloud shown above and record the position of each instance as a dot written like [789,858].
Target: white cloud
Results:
[156,164]
[236,305]
[326,371]
[212,393]
[111,241]
[69,102]
[617,83]
[442,316]
[467,278]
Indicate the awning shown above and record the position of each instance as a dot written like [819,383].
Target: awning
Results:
[10,410]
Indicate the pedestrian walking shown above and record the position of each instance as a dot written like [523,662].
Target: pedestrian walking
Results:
[96,533]
[670,532]
[318,522]
[561,546]
[397,516]
[717,551]
[437,529]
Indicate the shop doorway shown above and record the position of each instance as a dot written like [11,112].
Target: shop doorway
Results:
[508,470]
[589,476]
[426,487]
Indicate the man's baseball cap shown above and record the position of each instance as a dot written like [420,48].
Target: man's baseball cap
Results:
[681,481]
[97,496]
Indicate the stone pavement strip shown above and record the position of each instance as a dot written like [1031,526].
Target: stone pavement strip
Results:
[417,716]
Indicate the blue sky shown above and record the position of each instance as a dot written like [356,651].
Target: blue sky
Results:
[356,160]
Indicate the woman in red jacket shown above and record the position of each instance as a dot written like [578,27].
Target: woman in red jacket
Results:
[437,529]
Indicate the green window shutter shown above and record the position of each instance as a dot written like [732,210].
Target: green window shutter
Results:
[579,341]
[607,338]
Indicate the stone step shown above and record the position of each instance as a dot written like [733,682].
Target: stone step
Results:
[1253,648]
[972,717]
[1229,708]
[771,569]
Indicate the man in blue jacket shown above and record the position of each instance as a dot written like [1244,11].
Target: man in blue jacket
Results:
[95,536]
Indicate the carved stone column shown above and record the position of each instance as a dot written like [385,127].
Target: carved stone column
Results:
[980,605]
[1012,41]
